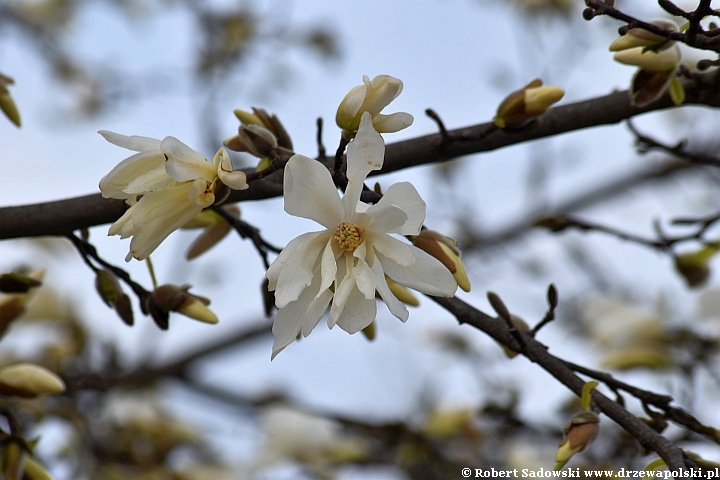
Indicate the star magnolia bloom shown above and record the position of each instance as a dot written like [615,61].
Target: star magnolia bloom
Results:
[372,96]
[175,182]
[347,262]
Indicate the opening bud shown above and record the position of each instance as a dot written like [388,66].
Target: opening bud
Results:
[372,97]
[579,432]
[444,249]
[638,37]
[526,104]
[262,118]
[171,298]
[254,139]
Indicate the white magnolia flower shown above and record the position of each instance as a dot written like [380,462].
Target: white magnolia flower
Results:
[175,183]
[347,262]
[372,96]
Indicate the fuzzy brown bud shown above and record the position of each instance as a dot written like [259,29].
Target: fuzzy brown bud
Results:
[444,249]
[579,432]
[169,298]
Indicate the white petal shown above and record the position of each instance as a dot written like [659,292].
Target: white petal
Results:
[385,218]
[286,254]
[311,193]
[328,264]
[113,184]
[116,227]
[392,123]
[297,273]
[150,181]
[343,289]
[383,90]
[183,163]
[300,316]
[364,154]
[236,180]
[135,143]
[359,312]
[157,215]
[391,248]
[395,306]
[199,194]
[350,106]
[404,196]
[426,274]
[364,279]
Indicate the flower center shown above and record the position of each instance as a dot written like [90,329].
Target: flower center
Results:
[349,236]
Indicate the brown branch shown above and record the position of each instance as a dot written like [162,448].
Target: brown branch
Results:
[645,143]
[694,36]
[538,353]
[64,216]
[475,240]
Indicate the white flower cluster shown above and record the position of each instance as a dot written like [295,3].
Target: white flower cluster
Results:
[344,266]
[174,183]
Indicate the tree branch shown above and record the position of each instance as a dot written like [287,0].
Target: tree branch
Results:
[538,353]
[64,216]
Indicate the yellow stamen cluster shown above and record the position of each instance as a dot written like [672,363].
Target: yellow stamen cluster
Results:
[349,236]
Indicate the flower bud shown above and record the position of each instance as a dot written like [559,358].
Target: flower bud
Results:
[177,299]
[107,287]
[262,118]
[254,139]
[247,118]
[372,97]
[638,37]
[111,293]
[29,380]
[444,249]
[526,104]
[579,432]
